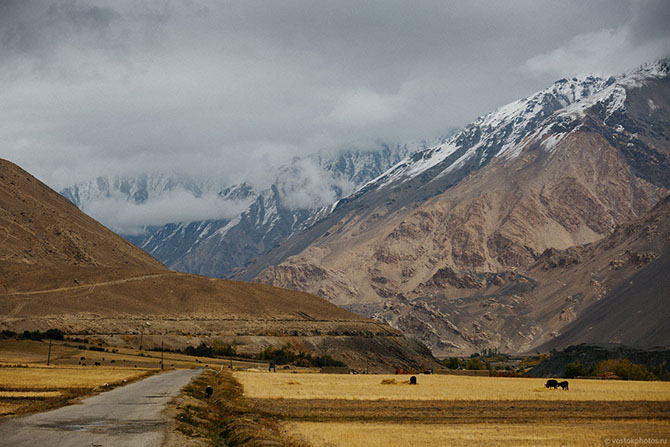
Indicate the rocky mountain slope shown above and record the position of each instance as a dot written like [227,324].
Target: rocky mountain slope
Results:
[465,222]
[302,193]
[60,268]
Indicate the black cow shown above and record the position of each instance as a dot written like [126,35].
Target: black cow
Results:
[551,383]
[209,391]
[563,384]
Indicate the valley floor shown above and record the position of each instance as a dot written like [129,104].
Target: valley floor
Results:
[376,410]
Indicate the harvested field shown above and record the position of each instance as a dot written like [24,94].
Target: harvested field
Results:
[377,410]
[359,434]
[445,411]
[51,378]
[443,387]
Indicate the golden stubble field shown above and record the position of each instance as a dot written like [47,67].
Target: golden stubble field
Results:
[441,387]
[358,410]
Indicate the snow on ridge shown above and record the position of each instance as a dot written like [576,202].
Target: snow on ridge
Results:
[510,127]
[223,230]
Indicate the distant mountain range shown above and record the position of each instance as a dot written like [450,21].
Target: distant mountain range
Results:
[445,245]
[303,192]
[536,226]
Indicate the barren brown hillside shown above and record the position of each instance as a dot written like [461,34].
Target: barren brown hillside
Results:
[40,227]
[59,268]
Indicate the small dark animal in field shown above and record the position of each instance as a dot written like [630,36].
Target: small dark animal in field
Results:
[551,384]
[412,380]
[209,391]
[82,358]
[563,384]
[96,364]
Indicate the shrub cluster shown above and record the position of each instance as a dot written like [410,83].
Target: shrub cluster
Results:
[50,334]
[285,355]
[471,363]
[214,350]
[622,368]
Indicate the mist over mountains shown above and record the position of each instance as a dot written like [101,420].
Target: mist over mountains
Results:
[456,243]
[203,226]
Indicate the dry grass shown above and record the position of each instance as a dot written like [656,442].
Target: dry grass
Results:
[28,394]
[28,351]
[443,387]
[50,378]
[332,434]
[10,407]
[376,411]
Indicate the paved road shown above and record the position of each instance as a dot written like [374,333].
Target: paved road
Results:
[126,416]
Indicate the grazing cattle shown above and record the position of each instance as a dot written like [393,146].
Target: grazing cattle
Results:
[563,384]
[96,364]
[209,391]
[412,380]
[551,383]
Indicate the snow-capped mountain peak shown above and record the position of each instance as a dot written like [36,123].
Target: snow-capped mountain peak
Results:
[504,132]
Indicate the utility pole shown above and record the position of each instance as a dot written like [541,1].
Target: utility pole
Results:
[162,363]
[141,336]
[49,354]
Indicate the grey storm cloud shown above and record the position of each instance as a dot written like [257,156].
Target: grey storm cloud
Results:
[232,89]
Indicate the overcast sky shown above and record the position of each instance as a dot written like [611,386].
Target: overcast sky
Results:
[228,89]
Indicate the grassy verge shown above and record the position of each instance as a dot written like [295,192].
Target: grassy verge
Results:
[226,419]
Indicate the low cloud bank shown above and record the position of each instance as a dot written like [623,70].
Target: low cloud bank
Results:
[130,218]
[305,185]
